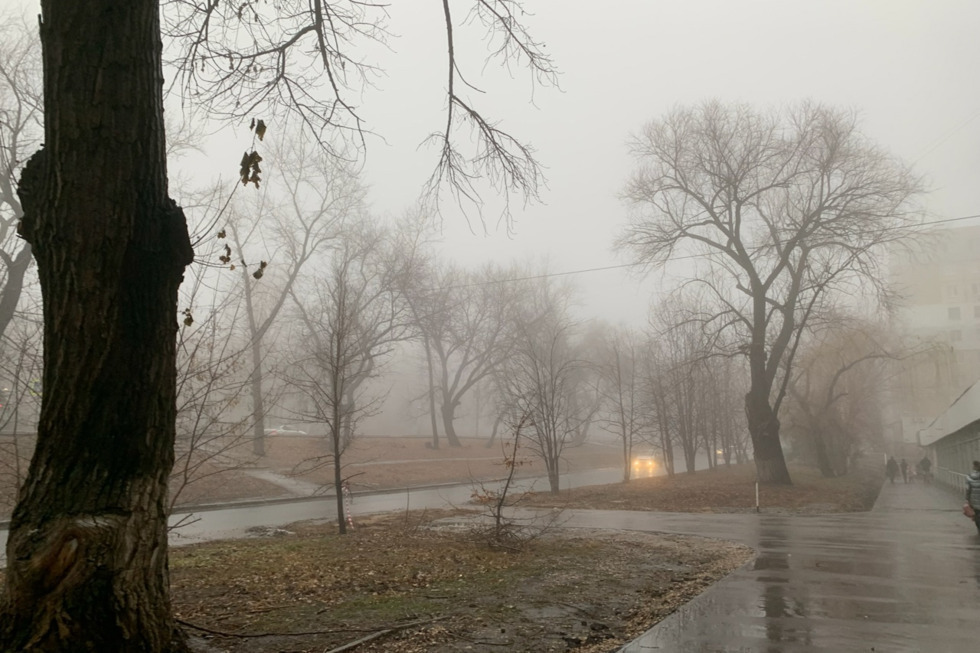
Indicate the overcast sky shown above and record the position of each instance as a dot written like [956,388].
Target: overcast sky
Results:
[910,68]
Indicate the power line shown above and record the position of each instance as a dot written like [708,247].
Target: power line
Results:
[622,266]
[945,137]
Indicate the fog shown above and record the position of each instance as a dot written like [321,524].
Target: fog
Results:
[905,68]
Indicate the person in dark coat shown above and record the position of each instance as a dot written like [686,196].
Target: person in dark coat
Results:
[973,493]
[905,470]
[891,469]
[924,466]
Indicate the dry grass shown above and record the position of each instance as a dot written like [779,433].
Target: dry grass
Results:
[725,489]
[439,590]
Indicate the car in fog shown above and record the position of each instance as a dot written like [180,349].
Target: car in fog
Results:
[285,429]
[644,463]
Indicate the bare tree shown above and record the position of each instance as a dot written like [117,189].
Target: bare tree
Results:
[20,134]
[689,386]
[787,208]
[657,404]
[20,399]
[353,317]
[304,60]
[620,368]
[212,376]
[724,406]
[419,288]
[544,372]
[470,336]
[314,194]
[683,359]
[836,392]
[430,297]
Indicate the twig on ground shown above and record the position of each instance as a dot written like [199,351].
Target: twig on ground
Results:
[225,633]
[351,645]
[381,633]
[335,631]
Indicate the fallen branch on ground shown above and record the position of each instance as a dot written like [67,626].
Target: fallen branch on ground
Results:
[336,631]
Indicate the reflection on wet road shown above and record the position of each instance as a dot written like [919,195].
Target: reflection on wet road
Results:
[904,577]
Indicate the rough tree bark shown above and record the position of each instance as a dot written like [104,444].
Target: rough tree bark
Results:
[87,552]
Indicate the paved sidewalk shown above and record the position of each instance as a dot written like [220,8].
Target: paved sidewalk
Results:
[903,577]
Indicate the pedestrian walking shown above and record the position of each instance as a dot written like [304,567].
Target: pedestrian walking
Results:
[973,494]
[924,466]
[905,470]
[891,469]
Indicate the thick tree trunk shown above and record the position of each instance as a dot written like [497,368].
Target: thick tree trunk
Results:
[821,454]
[554,473]
[448,411]
[770,464]
[87,550]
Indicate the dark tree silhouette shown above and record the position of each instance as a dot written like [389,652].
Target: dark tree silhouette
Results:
[781,211]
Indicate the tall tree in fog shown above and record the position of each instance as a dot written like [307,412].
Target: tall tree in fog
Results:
[353,316]
[621,389]
[87,550]
[682,357]
[20,135]
[297,219]
[468,324]
[781,210]
[836,403]
[20,396]
[426,299]
[724,407]
[21,132]
[544,373]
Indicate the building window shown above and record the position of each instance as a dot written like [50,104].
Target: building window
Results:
[954,313]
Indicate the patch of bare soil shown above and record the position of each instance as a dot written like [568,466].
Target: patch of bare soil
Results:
[397,585]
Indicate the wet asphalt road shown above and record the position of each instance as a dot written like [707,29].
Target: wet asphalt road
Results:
[904,577]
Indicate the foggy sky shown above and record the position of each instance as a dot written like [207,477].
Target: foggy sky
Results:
[909,68]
